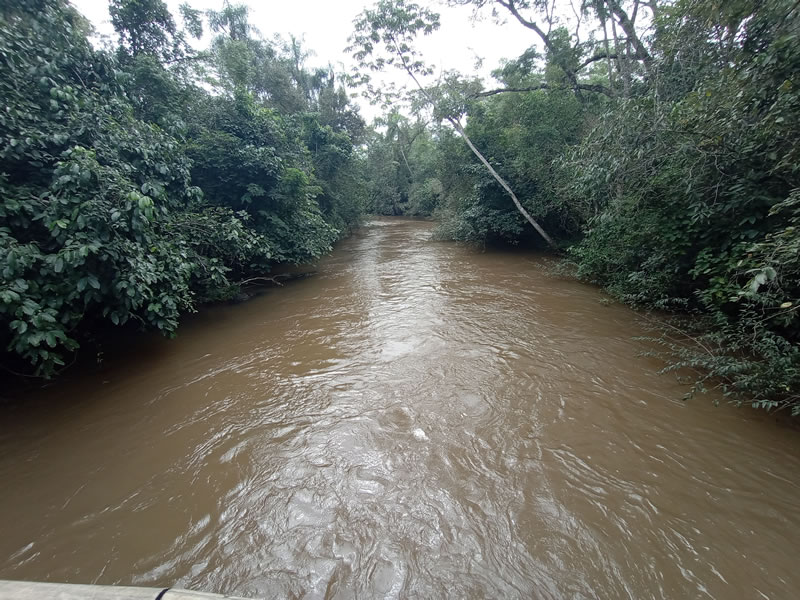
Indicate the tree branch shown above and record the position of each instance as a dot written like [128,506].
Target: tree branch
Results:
[630,31]
[595,58]
[573,78]
[509,6]
[589,87]
[541,86]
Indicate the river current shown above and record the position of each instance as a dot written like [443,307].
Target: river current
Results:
[417,420]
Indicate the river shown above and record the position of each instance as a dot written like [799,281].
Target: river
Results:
[420,420]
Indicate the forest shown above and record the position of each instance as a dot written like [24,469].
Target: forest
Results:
[654,145]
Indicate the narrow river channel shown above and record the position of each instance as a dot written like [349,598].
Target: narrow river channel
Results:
[418,420]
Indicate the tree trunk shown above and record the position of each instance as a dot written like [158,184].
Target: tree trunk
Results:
[405,160]
[611,79]
[630,32]
[622,62]
[503,183]
[457,125]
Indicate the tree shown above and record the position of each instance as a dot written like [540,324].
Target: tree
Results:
[131,194]
[565,49]
[99,220]
[401,159]
[232,21]
[143,26]
[690,193]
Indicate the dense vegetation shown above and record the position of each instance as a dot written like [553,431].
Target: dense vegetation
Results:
[141,180]
[657,142]
[654,142]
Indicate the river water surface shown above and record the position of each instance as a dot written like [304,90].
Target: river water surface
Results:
[418,420]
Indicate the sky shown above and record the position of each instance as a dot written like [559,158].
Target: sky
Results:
[326,24]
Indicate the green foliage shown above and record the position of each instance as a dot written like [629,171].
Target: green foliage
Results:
[338,171]
[522,134]
[130,194]
[249,158]
[384,37]
[85,189]
[745,358]
[690,200]
[424,197]
[401,164]
[144,26]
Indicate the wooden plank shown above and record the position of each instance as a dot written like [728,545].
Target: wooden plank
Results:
[31,590]
[187,595]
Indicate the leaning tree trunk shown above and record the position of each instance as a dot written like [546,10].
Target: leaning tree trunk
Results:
[457,125]
[503,183]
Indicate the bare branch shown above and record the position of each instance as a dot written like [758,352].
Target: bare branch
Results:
[573,78]
[595,58]
[589,87]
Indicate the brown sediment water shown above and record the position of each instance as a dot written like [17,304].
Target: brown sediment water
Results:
[418,420]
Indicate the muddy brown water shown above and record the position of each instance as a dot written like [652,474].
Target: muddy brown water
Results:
[419,420]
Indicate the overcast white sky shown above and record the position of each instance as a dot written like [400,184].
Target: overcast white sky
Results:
[326,24]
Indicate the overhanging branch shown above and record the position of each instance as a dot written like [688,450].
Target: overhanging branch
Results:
[589,87]
[595,58]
